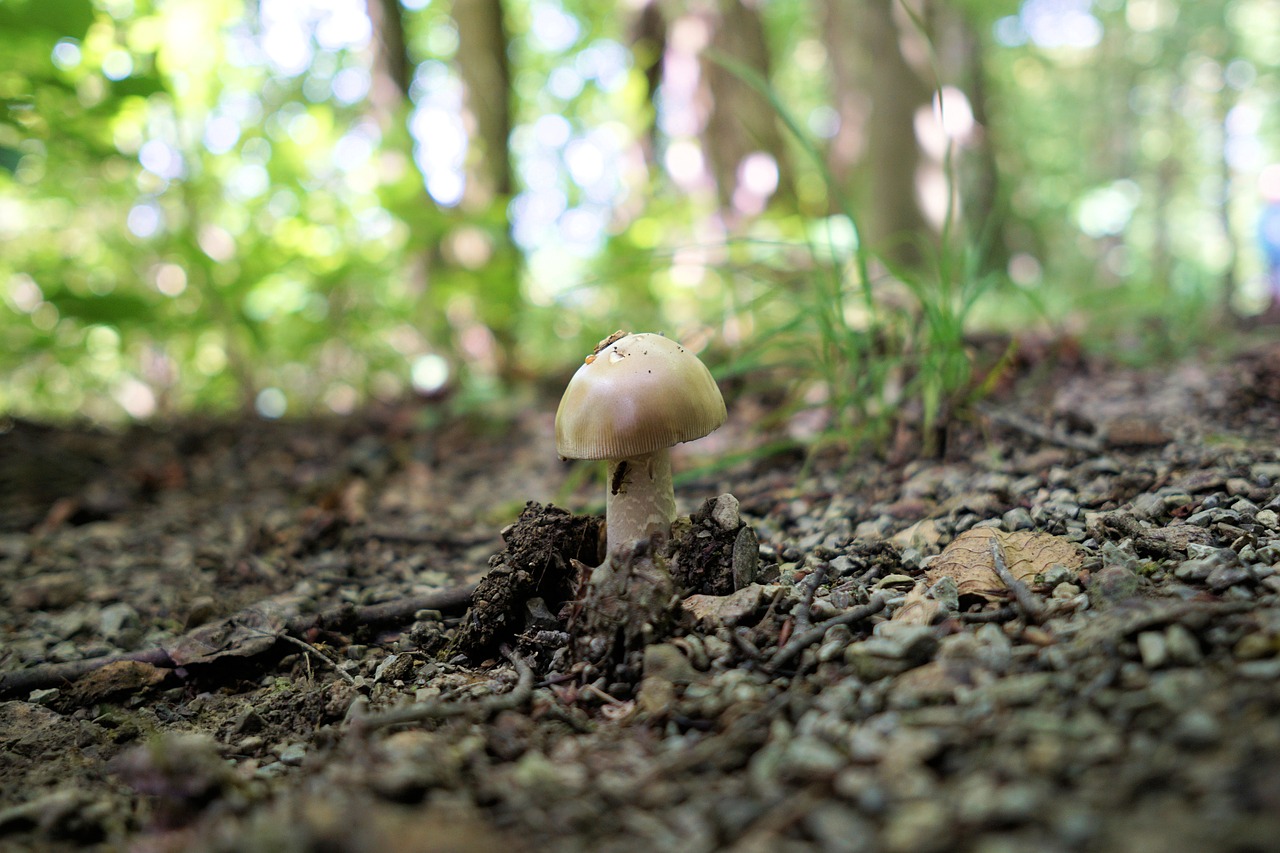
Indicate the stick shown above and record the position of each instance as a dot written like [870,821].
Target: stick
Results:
[804,613]
[57,674]
[804,639]
[1030,607]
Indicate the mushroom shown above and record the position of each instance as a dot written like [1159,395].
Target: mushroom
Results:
[636,396]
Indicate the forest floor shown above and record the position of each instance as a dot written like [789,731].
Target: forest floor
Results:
[1062,635]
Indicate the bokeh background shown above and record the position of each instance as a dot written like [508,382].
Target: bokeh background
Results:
[292,207]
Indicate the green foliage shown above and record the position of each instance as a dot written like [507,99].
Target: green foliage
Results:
[884,350]
[184,225]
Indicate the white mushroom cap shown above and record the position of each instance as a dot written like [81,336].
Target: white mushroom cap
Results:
[639,394]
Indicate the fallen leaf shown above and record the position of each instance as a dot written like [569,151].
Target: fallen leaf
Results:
[125,676]
[247,633]
[968,561]
[918,608]
[923,535]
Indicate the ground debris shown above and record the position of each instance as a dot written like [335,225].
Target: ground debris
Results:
[537,562]
[846,699]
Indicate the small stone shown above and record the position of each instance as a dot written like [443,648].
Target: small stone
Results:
[1267,518]
[1197,728]
[248,722]
[1226,576]
[746,558]
[1112,585]
[1058,574]
[839,829]
[1253,647]
[725,513]
[1246,508]
[667,662]
[922,826]
[1239,486]
[1065,591]
[806,757]
[1017,518]
[292,754]
[1182,645]
[1260,670]
[119,623]
[1149,506]
[43,697]
[1194,570]
[1152,648]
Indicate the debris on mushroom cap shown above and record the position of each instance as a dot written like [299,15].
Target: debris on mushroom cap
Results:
[640,393]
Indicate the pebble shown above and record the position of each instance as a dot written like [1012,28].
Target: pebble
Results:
[1239,486]
[1261,670]
[1254,646]
[839,829]
[1194,570]
[1227,576]
[725,513]
[1149,506]
[1182,645]
[922,826]
[1247,509]
[1017,518]
[292,754]
[1153,649]
[119,623]
[1197,728]
[807,757]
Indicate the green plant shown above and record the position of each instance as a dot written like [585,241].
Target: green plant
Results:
[879,349]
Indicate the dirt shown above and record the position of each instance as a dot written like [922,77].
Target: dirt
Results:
[383,633]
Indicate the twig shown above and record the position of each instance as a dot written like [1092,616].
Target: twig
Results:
[1035,430]
[438,710]
[1004,614]
[312,650]
[804,613]
[1030,607]
[58,674]
[804,639]
[744,644]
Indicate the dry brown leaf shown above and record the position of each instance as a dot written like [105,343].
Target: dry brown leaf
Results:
[968,561]
[125,676]
[917,608]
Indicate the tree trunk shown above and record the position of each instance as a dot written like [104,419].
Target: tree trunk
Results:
[648,39]
[392,70]
[486,74]
[741,120]
[895,223]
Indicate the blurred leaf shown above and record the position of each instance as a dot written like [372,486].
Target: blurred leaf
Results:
[9,158]
[59,18]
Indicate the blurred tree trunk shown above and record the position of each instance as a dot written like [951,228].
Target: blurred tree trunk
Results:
[486,78]
[392,70]
[962,56]
[879,128]
[486,74]
[648,41]
[741,120]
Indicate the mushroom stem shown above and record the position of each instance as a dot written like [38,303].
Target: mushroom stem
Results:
[640,499]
